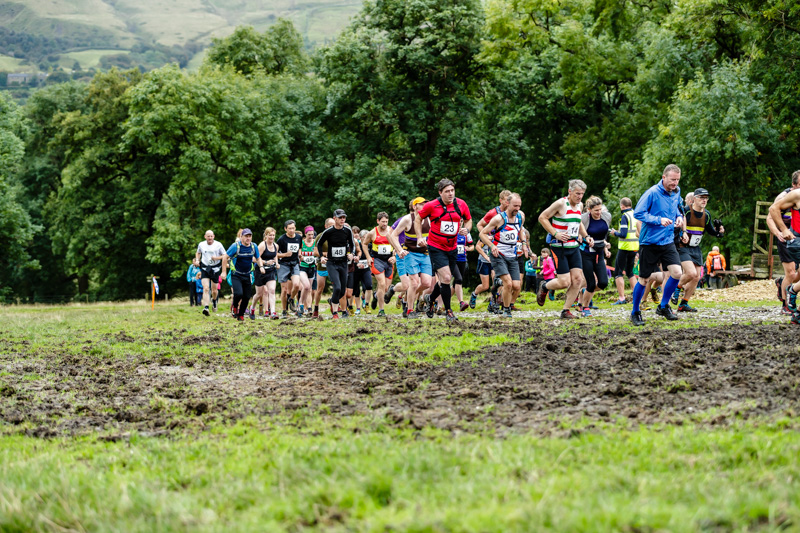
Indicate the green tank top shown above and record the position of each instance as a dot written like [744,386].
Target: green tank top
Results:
[307,255]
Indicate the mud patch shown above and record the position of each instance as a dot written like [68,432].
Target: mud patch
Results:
[712,375]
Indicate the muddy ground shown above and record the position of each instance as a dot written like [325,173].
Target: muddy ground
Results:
[710,375]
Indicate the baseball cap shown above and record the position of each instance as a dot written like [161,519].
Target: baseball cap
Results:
[246,231]
[339,213]
[700,192]
[417,200]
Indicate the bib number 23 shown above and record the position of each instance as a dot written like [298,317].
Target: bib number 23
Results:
[449,228]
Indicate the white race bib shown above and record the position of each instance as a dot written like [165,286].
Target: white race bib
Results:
[363,264]
[384,249]
[461,249]
[293,247]
[694,240]
[573,229]
[448,228]
[509,237]
[338,251]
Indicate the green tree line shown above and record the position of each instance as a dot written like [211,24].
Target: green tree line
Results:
[102,184]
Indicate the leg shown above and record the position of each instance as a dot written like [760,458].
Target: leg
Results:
[246,286]
[270,304]
[587,266]
[206,292]
[382,287]
[576,279]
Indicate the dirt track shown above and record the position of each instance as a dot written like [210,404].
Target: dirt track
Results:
[650,376]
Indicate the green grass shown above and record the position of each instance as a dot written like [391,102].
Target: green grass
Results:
[12,64]
[358,475]
[88,58]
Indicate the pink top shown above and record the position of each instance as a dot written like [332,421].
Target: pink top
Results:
[548,269]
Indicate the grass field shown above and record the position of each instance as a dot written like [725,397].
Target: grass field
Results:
[114,417]
[11,64]
[88,58]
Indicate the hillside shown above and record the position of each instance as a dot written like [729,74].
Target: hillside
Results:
[51,33]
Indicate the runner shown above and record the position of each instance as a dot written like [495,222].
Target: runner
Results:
[265,283]
[449,216]
[659,210]
[488,279]
[289,246]
[378,250]
[307,270]
[503,235]
[567,233]
[210,255]
[597,222]
[789,235]
[243,255]
[464,244]
[339,239]
[322,269]
[697,222]
[362,275]
[484,272]
[413,262]
[790,272]
[628,235]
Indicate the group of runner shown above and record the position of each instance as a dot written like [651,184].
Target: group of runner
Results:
[428,246]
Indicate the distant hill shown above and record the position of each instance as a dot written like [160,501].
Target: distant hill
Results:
[102,33]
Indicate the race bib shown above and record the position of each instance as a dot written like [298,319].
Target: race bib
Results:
[573,229]
[338,251]
[509,237]
[293,247]
[384,249]
[461,249]
[694,240]
[363,264]
[448,228]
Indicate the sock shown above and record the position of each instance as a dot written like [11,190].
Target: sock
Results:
[684,302]
[638,292]
[301,308]
[446,295]
[437,290]
[669,288]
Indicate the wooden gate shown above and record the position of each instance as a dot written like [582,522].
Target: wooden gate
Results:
[762,262]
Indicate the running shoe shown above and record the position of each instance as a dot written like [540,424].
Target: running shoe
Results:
[666,312]
[429,311]
[330,304]
[358,311]
[252,314]
[335,316]
[552,296]
[388,296]
[620,302]
[404,306]
[796,319]
[654,294]
[215,308]
[275,316]
[315,314]
[566,313]
[291,304]
[374,303]
[587,312]
[686,308]
[676,296]
[412,315]
[473,300]
[636,318]
[285,314]
[779,285]
[451,317]
[785,310]
[513,307]
[541,295]
[345,314]
[591,304]
[400,302]
[507,312]
[464,306]
[491,307]
[381,313]
[299,313]
[205,311]
[364,301]
[792,303]
[421,308]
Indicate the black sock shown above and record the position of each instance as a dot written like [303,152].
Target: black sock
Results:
[684,302]
[446,297]
[437,290]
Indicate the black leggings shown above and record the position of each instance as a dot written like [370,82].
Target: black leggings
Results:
[337,273]
[362,276]
[459,273]
[594,265]
[241,292]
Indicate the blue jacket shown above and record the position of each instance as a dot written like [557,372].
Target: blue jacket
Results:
[191,275]
[654,205]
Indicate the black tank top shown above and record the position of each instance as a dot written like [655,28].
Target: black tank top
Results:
[269,256]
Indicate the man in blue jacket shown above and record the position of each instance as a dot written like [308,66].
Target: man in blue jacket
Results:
[660,213]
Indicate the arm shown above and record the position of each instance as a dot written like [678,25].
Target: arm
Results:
[395,233]
[642,211]
[421,241]
[623,228]
[484,234]
[546,215]
[368,238]
[466,226]
[780,204]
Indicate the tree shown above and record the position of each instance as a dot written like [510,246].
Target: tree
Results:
[278,50]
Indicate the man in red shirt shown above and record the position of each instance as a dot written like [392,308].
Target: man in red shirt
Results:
[448,216]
